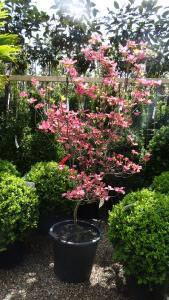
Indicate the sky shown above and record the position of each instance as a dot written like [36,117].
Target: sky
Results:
[101,4]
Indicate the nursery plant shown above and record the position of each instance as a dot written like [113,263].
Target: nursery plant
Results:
[51,181]
[8,167]
[158,146]
[139,231]
[18,210]
[88,135]
[37,147]
[161,183]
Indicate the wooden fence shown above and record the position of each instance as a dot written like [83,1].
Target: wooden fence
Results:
[64,79]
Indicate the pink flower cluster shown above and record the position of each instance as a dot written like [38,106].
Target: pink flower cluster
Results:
[23,94]
[39,92]
[141,96]
[90,187]
[124,164]
[134,53]
[34,82]
[148,82]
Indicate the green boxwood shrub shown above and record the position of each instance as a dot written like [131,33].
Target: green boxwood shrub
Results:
[161,183]
[8,167]
[36,147]
[139,232]
[18,210]
[159,148]
[51,182]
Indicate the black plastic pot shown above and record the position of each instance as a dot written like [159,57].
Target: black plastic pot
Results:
[13,256]
[73,261]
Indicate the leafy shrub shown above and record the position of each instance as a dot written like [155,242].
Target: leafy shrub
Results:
[8,167]
[159,147]
[51,182]
[12,126]
[37,146]
[139,231]
[18,210]
[161,183]
[33,146]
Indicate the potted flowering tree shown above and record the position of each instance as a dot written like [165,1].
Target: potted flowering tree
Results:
[88,136]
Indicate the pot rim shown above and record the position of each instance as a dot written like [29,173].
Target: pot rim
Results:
[93,241]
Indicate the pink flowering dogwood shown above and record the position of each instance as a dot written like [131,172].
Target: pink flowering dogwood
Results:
[88,135]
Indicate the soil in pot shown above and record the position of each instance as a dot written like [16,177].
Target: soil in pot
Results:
[74,250]
[75,233]
[13,256]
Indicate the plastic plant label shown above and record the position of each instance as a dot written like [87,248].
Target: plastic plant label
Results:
[30,184]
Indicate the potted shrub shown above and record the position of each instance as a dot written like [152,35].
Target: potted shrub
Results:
[51,181]
[158,146]
[89,136]
[8,167]
[36,147]
[75,241]
[18,215]
[139,232]
[161,183]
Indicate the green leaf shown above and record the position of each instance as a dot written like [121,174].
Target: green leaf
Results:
[92,4]
[116,5]
[95,11]
[8,39]
[101,203]
[165,14]
[8,52]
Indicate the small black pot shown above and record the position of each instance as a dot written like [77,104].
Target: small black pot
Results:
[73,261]
[13,256]
[140,291]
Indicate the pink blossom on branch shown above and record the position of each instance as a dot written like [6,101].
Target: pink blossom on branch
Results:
[149,82]
[34,82]
[95,38]
[23,94]
[90,188]
[120,190]
[42,92]
[32,100]
[146,157]
[39,106]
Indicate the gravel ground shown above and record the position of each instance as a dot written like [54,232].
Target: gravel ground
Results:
[35,279]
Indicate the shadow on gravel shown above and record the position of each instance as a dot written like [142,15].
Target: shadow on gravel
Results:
[35,279]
